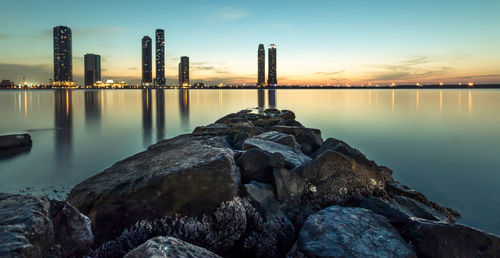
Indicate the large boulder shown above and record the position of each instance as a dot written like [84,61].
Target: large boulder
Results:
[262,196]
[257,164]
[169,247]
[438,239]
[188,175]
[337,177]
[350,232]
[33,226]
[293,157]
[281,138]
[344,148]
[12,141]
[309,139]
[212,129]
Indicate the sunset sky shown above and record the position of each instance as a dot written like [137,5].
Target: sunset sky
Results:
[318,42]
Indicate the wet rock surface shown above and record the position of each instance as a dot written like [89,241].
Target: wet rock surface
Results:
[38,227]
[169,247]
[252,184]
[12,141]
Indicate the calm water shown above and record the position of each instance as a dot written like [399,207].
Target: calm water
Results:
[445,143]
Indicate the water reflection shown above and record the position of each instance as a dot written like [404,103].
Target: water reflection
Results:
[271,98]
[92,109]
[184,108]
[261,99]
[63,118]
[160,114]
[147,117]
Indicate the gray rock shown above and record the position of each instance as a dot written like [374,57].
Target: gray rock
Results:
[350,232]
[288,184]
[188,175]
[257,164]
[33,226]
[239,133]
[391,210]
[262,196]
[168,247]
[216,129]
[293,157]
[438,239]
[281,138]
[12,141]
[344,148]
[309,139]
[334,175]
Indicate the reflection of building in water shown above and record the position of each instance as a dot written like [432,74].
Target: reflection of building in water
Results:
[160,114]
[261,98]
[271,98]
[63,122]
[92,109]
[147,117]
[184,108]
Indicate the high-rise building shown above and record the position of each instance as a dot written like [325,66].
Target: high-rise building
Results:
[160,58]
[184,72]
[271,76]
[92,70]
[261,66]
[63,65]
[147,61]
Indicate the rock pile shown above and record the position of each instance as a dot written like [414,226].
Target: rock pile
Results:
[260,185]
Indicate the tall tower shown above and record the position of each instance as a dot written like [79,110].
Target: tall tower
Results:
[261,66]
[147,74]
[271,76]
[184,72]
[92,72]
[160,58]
[63,64]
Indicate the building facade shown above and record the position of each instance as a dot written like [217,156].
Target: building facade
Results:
[261,66]
[271,76]
[63,63]
[92,69]
[160,58]
[184,72]
[147,61]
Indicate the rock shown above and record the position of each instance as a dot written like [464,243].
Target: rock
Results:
[350,232]
[344,148]
[293,157]
[334,175]
[33,226]
[212,129]
[294,123]
[288,184]
[168,247]
[12,141]
[281,138]
[262,196]
[235,119]
[239,133]
[390,210]
[421,210]
[309,139]
[188,175]
[257,164]
[438,239]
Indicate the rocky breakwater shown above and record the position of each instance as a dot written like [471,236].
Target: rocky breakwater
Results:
[262,185]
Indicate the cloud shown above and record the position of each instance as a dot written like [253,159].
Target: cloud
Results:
[231,13]
[203,66]
[416,67]
[484,76]
[329,73]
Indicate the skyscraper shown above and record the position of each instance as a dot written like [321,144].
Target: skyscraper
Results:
[147,63]
[261,66]
[63,65]
[271,76]
[92,71]
[160,58]
[184,72]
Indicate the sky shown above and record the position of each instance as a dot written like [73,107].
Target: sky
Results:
[333,42]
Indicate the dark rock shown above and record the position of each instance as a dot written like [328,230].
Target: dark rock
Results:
[350,232]
[288,184]
[262,196]
[235,119]
[168,247]
[309,139]
[212,129]
[390,210]
[334,175]
[189,175]
[284,114]
[420,210]
[38,227]
[281,138]
[294,123]
[12,141]
[344,148]
[239,133]
[438,239]
[293,157]
[257,164]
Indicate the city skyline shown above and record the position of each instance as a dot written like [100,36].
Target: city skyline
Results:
[325,43]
